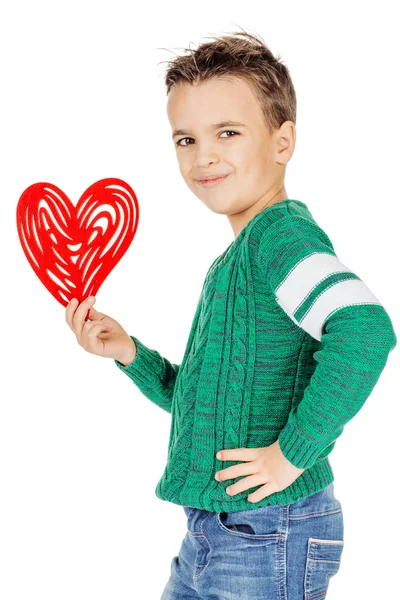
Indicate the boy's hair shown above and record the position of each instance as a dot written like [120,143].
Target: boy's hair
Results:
[231,57]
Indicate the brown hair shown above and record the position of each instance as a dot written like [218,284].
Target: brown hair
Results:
[250,59]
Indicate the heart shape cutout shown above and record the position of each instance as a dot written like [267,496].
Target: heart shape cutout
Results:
[71,248]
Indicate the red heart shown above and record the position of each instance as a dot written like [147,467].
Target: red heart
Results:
[63,243]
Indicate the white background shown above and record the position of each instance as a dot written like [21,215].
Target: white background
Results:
[81,450]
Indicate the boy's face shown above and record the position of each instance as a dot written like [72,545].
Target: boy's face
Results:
[253,159]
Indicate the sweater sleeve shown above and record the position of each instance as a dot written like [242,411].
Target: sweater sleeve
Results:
[329,302]
[153,374]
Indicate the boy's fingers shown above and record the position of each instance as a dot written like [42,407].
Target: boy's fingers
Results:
[75,314]
[69,311]
[95,314]
[91,330]
[79,316]
[89,326]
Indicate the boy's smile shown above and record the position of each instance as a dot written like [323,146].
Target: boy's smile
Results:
[219,129]
[212,182]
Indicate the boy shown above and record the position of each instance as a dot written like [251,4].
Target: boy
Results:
[286,345]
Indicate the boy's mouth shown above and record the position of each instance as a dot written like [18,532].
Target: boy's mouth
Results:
[211,182]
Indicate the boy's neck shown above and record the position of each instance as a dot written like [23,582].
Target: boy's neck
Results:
[240,220]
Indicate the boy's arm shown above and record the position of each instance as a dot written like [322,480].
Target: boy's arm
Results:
[333,305]
[153,374]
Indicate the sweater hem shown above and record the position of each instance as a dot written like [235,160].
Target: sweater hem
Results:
[309,482]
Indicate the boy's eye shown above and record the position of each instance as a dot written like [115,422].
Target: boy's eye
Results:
[189,138]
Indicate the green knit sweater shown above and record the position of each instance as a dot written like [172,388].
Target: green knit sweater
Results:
[286,343]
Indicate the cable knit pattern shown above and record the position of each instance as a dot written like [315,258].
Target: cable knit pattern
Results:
[286,344]
[182,419]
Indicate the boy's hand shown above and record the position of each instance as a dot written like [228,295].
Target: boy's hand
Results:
[101,334]
[266,466]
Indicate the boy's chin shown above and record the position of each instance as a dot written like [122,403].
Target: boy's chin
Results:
[219,208]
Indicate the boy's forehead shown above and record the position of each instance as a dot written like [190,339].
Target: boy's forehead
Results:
[218,100]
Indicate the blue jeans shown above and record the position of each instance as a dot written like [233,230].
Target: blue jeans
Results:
[284,552]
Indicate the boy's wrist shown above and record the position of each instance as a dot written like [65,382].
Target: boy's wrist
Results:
[129,355]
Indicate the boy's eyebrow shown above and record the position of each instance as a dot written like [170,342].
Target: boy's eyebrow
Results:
[215,126]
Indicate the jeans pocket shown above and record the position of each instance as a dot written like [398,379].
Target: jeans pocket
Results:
[258,524]
[323,562]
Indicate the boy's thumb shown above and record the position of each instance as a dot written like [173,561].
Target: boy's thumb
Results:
[95,314]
